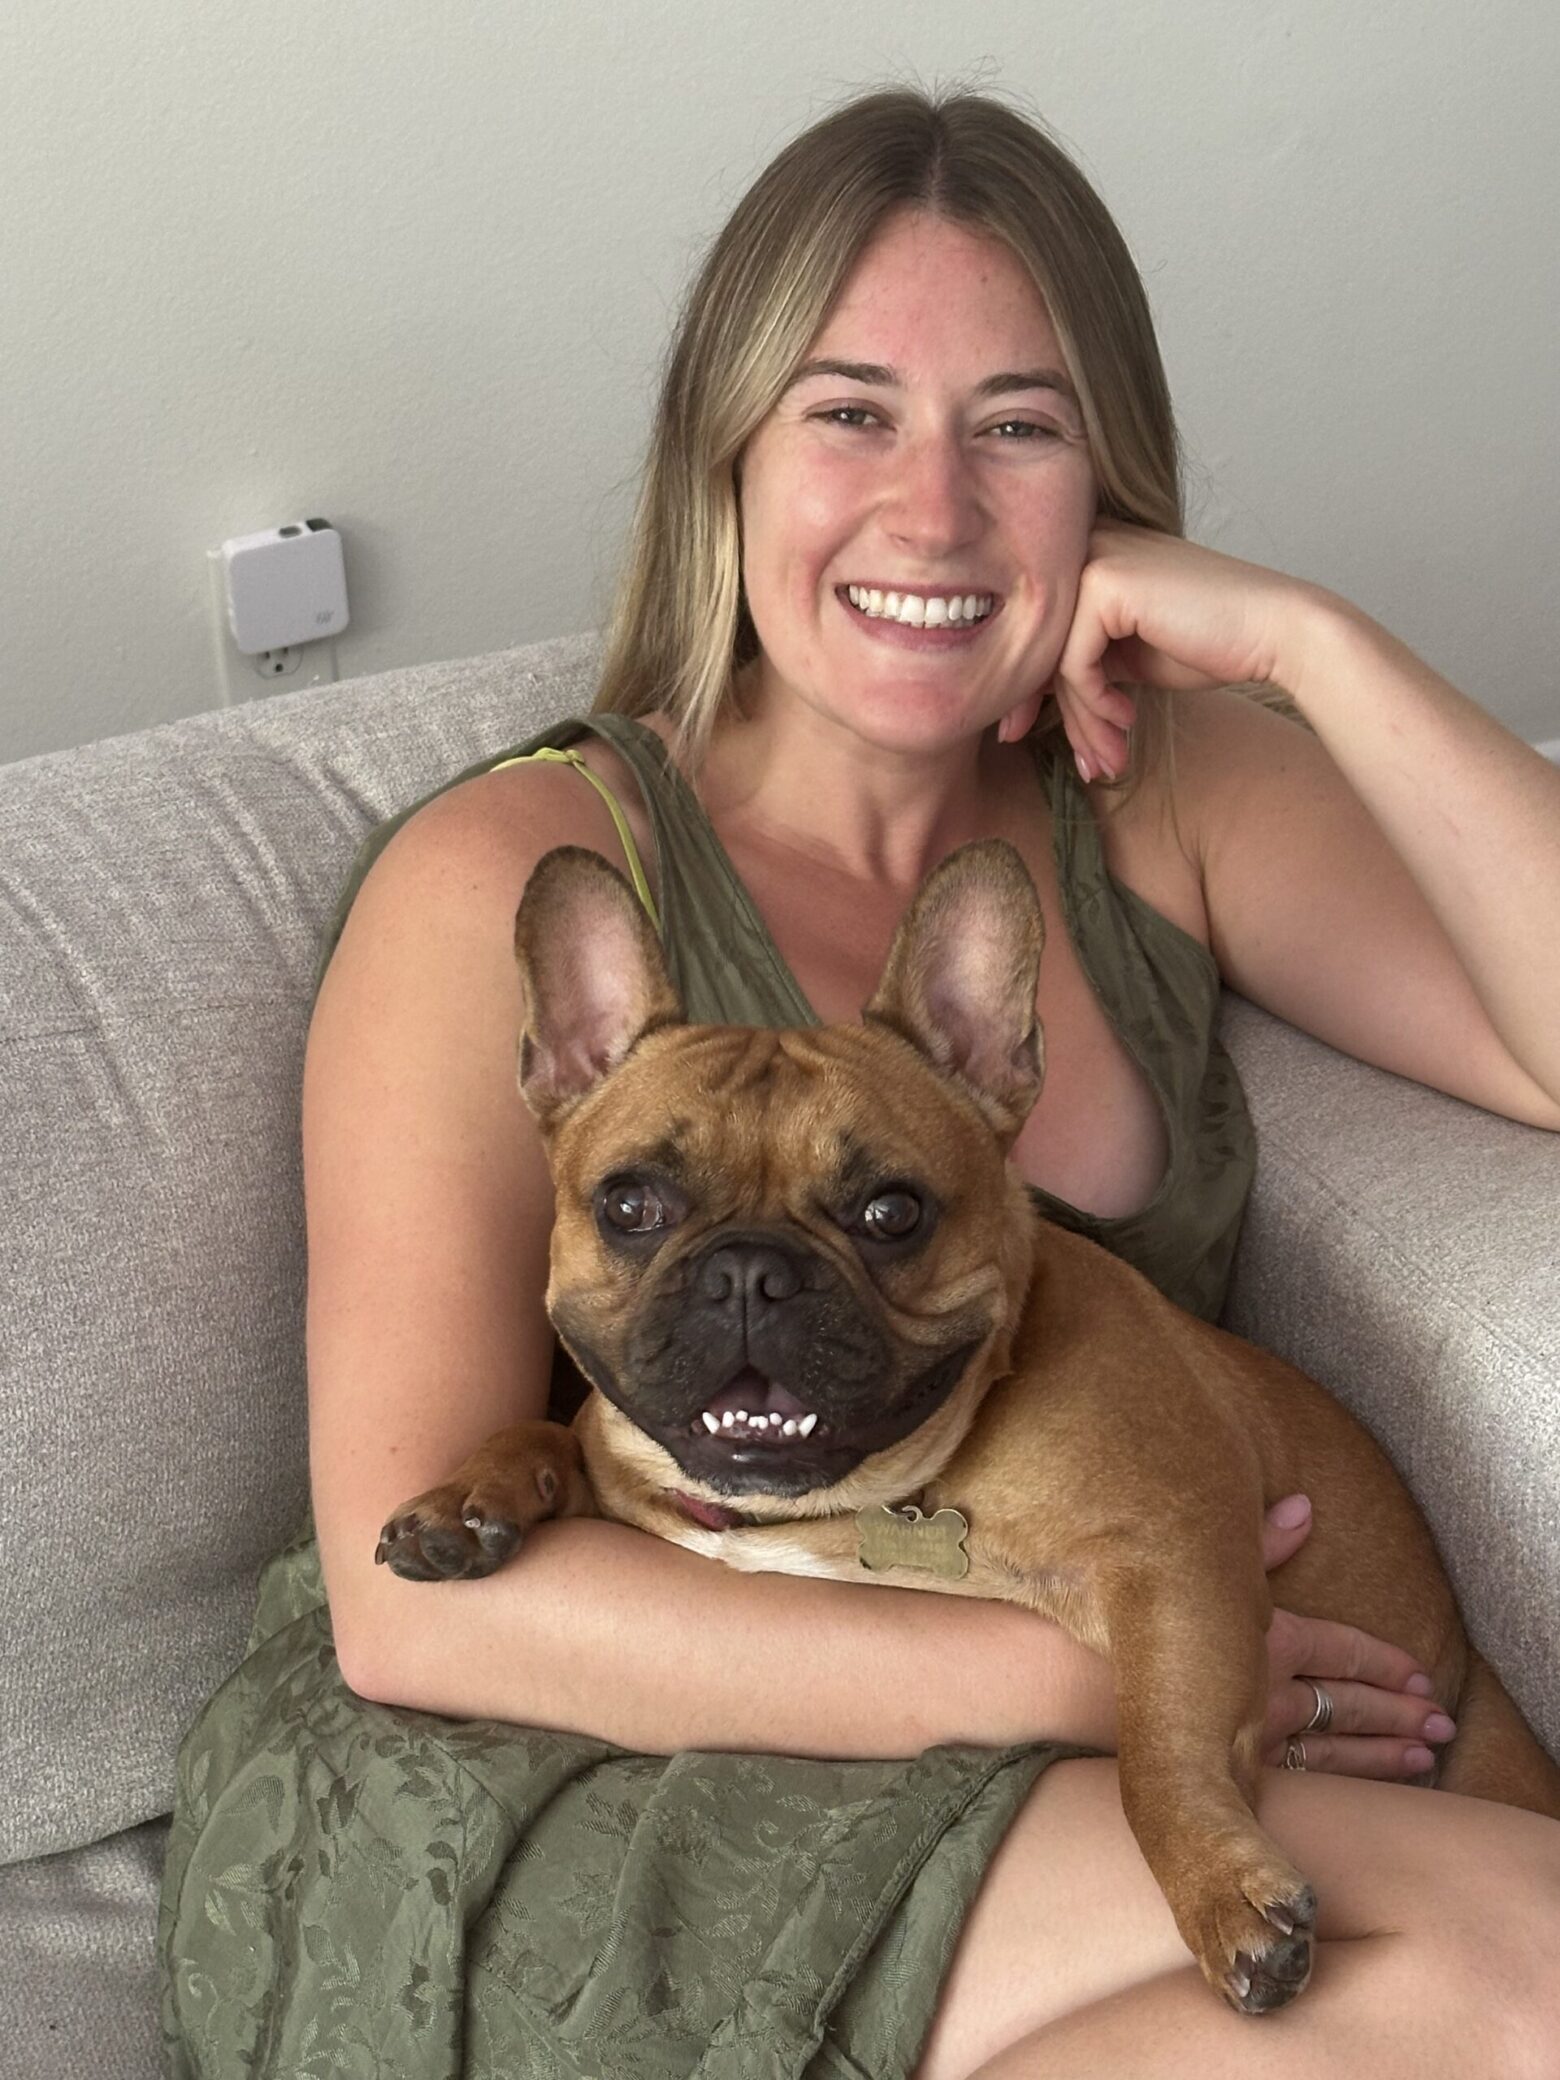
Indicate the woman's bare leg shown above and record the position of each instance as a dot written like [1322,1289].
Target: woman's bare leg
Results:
[1378,2013]
[1437,1915]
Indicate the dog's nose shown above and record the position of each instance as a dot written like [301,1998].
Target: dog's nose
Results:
[753,1272]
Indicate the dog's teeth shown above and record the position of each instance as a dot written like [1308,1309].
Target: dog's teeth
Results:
[755,1424]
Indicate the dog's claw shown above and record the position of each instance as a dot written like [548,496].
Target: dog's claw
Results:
[1261,1980]
[435,1546]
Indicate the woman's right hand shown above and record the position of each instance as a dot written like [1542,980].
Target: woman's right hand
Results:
[1383,1712]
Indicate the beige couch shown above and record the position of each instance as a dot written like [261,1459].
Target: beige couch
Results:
[164,898]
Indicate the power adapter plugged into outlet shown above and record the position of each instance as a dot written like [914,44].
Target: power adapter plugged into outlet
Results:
[285,586]
[280,600]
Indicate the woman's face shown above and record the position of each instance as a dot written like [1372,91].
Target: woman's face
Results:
[930,447]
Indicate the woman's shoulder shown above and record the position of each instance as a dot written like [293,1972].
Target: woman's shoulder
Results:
[1222,755]
[477,841]
[519,808]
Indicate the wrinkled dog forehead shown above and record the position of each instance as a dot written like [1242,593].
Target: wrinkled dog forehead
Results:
[774,1114]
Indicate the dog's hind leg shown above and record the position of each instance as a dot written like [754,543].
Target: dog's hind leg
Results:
[1494,1755]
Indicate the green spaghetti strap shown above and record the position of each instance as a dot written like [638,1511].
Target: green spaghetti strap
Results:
[572,758]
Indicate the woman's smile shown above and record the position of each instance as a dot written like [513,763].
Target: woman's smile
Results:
[919,620]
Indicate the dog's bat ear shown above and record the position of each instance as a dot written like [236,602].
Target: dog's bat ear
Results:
[593,980]
[960,979]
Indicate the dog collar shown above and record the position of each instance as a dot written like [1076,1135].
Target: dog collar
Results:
[716,1517]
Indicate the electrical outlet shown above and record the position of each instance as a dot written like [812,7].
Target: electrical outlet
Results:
[278,664]
[241,678]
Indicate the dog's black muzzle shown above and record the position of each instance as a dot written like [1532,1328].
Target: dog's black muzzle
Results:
[759,1371]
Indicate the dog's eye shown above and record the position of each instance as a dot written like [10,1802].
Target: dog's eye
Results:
[891,1215]
[634,1209]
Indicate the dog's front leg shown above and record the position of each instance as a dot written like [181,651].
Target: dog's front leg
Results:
[474,1522]
[1191,1686]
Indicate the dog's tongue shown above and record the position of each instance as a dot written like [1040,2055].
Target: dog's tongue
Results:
[750,1391]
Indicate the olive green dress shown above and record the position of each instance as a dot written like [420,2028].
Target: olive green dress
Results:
[356,1890]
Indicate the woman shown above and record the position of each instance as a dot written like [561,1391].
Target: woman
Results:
[911,520]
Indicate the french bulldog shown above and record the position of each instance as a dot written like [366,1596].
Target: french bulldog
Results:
[825,1330]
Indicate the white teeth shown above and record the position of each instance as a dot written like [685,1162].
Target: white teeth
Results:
[773,1425]
[921,610]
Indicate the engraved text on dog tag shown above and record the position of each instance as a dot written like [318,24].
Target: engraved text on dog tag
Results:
[906,1538]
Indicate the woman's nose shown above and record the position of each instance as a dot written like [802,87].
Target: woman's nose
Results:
[933,500]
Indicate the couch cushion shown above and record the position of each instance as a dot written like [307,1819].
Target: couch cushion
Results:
[79,1988]
[1400,1247]
[165,895]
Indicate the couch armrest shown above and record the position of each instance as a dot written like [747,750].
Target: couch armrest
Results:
[1401,1247]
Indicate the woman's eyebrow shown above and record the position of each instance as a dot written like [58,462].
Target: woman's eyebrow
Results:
[993,386]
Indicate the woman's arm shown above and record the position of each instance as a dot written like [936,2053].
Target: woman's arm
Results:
[1471,811]
[1391,883]
[600,1629]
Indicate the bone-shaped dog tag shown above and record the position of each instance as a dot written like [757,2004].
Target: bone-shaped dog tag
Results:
[906,1538]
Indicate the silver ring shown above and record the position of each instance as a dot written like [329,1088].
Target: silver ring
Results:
[1321,1718]
[1294,1754]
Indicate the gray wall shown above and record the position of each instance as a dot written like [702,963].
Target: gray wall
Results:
[412,268]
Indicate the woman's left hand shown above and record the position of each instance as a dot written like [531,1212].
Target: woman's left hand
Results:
[1159,611]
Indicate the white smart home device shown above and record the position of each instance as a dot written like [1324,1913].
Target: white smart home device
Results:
[285,586]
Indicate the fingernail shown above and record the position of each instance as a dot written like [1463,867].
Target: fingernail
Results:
[1293,1510]
[1421,1686]
[1418,1759]
[1438,1727]
[1083,767]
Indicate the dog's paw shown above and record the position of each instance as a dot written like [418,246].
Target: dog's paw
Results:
[451,1534]
[476,1520]
[1255,1938]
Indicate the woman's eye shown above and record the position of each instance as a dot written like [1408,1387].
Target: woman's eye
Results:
[634,1209]
[891,1215]
[854,418]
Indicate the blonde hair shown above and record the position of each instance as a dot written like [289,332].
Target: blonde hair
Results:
[680,630]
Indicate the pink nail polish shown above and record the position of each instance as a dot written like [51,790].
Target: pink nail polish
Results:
[1083,767]
[1418,1760]
[1421,1686]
